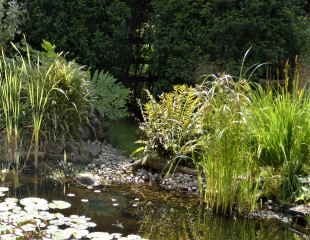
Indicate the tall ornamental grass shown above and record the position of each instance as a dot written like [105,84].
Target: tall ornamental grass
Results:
[10,96]
[43,98]
[40,86]
[227,164]
[279,123]
[247,141]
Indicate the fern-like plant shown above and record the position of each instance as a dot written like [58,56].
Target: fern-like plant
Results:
[172,125]
[111,96]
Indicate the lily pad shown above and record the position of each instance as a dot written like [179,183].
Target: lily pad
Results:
[57,204]
[4,189]
[34,203]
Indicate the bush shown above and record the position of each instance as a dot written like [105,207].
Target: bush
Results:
[171,126]
[188,38]
[246,141]
[95,33]
[42,97]
[11,18]
[111,96]
[179,38]
[170,42]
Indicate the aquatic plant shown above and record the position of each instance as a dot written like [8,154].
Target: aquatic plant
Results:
[31,218]
[41,94]
[10,95]
[280,130]
[227,165]
[40,85]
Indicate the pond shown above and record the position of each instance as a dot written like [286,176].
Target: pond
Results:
[147,212]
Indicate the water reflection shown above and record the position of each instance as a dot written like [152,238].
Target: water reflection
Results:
[170,224]
[153,215]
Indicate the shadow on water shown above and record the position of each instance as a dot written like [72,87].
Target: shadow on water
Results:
[152,214]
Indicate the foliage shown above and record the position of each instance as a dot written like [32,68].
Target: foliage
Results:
[111,96]
[172,125]
[189,38]
[280,127]
[95,33]
[162,43]
[275,30]
[10,98]
[11,17]
[246,141]
[178,35]
[227,163]
[42,97]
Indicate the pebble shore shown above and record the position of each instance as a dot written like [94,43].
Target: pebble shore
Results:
[111,166]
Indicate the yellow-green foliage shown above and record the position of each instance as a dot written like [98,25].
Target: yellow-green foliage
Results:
[245,141]
[280,128]
[10,96]
[227,165]
[42,95]
[172,125]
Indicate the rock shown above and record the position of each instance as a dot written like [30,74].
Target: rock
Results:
[302,210]
[88,179]
[94,148]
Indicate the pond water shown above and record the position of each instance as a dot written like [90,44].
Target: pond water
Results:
[150,213]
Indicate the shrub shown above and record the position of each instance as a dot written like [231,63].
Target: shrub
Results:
[178,35]
[11,18]
[42,97]
[188,38]
[95,33]
[171,125]
[111,96]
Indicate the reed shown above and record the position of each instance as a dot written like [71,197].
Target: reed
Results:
[227,163]
[10,95]
[40,85]
[280,129]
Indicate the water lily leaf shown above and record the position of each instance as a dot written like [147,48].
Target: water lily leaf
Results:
[57,204]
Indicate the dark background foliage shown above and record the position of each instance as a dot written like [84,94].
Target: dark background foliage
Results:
[94,32]
[158,43]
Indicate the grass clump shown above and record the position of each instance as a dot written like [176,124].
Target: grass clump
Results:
[248,142]
[10,95]
[43,98]
[280,127]
[226,163]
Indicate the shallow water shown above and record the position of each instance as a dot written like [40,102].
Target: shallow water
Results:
[147,212]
